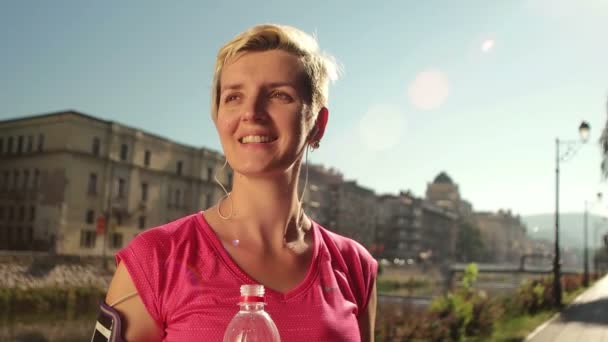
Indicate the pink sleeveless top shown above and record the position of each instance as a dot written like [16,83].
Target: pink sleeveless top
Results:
[190,285]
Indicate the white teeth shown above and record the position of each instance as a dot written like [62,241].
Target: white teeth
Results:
[255,139]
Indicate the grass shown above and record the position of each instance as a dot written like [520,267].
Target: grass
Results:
[517,328]
[513,329]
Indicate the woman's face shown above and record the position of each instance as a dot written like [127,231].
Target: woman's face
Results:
[264,112]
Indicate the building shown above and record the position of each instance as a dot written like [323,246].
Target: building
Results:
[439,232]
[399,227]
[319,193]
[62,173]
[443,192]
[354,211]
[504,234]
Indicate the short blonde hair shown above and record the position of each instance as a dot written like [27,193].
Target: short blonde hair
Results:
[320,68]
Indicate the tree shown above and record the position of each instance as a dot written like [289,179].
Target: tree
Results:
[469,244]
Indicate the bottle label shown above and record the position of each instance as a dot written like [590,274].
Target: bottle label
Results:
[252,299]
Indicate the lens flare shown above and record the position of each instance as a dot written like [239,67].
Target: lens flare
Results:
[429,90]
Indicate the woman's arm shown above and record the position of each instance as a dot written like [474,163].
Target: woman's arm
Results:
[138,325]
[367,320]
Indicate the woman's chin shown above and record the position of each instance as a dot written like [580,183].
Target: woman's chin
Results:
[262,171]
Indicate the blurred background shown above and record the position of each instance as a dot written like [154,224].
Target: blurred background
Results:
[446,128]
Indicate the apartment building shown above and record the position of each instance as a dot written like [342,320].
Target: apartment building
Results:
[399,227]
[63,174]
[319,194]
[354,212]
[440,229]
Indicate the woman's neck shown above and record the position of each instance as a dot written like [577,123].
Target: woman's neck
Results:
[265,209]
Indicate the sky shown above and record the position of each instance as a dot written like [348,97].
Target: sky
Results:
[479,89]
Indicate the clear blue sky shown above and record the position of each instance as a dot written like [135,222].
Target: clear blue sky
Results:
[489,118]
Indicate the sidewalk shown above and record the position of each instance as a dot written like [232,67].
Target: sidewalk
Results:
[585,320]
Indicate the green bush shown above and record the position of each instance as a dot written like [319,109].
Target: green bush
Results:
[467,312]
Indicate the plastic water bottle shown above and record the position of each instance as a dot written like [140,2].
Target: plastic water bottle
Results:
[252,323]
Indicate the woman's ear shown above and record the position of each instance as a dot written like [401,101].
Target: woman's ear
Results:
[319,128]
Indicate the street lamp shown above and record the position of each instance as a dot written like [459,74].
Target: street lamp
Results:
[586,242]
[571,149]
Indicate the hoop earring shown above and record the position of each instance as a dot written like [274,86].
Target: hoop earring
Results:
[315,144]
[227,195]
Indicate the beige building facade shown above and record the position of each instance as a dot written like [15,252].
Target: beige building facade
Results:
[504,234]
[61,172]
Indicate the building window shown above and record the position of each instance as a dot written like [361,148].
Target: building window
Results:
[209,173]
[178,194]
[32,213]
[121,187]
[20,144]
[40,142]
[90,216]
[142,222]
[92,189]
[21,213]
[118,219]
[179,168]
[4,184]
[116,240]
[169,197]
[30,143]
[11,213]
[26,179]
[15,179]
[123,152]
[1,213]
[144,192]
[208,200]
[147,156]
[9,145]
[87,238]
[29,236]
[96,146]
[36,178]
[19,234]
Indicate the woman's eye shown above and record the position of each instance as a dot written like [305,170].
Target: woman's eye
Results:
[283,96]
[231,97]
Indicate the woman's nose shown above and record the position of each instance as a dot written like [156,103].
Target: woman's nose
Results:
[255,110]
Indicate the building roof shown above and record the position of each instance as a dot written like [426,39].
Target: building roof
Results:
[443,178]
[107,122]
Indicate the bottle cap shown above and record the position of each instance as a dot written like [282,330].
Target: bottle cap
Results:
[252,293]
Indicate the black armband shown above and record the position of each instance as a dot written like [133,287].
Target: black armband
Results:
[108,327]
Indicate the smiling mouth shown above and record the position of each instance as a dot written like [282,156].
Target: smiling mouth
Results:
[252,139]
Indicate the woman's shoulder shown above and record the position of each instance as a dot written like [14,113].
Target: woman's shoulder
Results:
[343,247]
[165,237]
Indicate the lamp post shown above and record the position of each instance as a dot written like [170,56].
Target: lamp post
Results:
[586,242]
[595,242]
[569,153]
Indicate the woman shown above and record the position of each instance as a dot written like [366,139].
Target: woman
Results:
[180,281]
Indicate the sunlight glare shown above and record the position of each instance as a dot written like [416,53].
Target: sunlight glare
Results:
[487,45]
[429,90]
